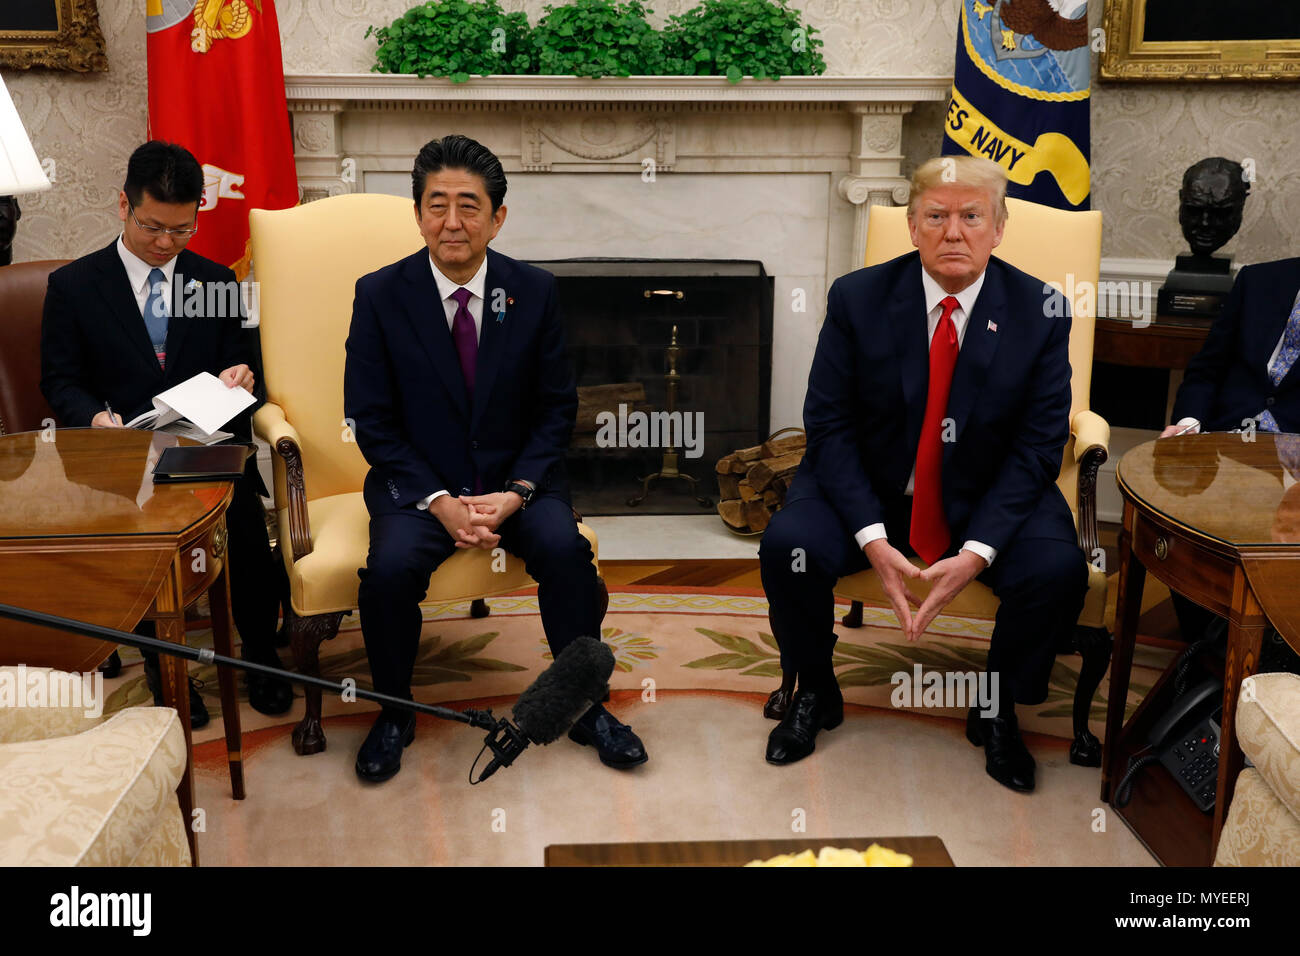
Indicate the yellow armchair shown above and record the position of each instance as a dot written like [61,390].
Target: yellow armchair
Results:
[1063,248]
[308,260]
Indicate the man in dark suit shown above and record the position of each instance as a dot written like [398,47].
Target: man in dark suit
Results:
[1243,378]
[937,413]
[462,400]
[130,321]
[1247,367]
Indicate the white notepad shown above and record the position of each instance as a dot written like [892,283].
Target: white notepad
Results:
[204,401]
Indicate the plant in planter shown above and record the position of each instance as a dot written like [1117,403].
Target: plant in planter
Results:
[598,38]
[737,38]
[454,38]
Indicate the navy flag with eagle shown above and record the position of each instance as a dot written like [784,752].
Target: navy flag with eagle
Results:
[1020,96]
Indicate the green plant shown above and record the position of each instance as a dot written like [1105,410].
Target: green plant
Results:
[454,38]
[737,38]
[598,38]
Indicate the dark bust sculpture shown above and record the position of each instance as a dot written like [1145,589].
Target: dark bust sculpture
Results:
[1210,204]
[9,216]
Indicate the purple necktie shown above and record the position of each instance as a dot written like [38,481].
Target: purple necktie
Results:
[466,338]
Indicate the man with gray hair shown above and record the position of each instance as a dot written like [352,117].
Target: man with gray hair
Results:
[937,413]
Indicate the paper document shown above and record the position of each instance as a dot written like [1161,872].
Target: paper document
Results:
[203,400]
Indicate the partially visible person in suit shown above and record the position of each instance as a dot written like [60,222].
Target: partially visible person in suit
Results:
[937,413]
[1244,377]
[463,404]
[112,338]
[1245,369]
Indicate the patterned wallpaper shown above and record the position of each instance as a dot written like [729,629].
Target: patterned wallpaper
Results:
[1144,136]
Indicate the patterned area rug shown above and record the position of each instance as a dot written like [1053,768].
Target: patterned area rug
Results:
[693,670]
[671,639]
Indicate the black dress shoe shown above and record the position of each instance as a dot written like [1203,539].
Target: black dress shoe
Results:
[111,667]
[153,679]
[615,742]
[778,703]
[380,757]
[796,736]
[267,695]
[1006,758]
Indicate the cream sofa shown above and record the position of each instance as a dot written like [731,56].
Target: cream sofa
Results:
[86,791]
[1263,824]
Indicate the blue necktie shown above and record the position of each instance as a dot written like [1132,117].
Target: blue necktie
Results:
[156,316]
[1286,357]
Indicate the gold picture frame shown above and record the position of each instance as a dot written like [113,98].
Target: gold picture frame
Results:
[1132,53]
[56,34]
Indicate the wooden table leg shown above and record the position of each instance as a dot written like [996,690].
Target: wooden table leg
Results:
[170,625]
[219,604]
[1128,608]
[1244,643]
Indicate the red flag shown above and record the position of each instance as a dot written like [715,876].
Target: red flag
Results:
[216,87]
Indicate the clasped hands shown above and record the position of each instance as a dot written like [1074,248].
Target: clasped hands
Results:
[947,577]
[473,520]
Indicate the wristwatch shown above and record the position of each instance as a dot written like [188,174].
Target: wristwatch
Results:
[522,490]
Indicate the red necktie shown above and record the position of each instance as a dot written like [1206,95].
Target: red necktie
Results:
[929,534]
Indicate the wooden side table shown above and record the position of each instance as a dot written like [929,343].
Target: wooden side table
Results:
[1169,341]
[1216,518]
[86,534]
[924,851]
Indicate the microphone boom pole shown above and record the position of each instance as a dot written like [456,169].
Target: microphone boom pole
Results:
[482,719]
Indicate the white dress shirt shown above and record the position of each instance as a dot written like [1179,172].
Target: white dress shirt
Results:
[1192,426]
[137,273]
[475,305]
[934,296]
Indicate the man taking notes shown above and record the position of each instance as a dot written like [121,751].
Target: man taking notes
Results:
[463,404]
[937,413]
[112,338]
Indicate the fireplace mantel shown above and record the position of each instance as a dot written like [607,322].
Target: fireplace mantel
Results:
[348,124]
[397,87]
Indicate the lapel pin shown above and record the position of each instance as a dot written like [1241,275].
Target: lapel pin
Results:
[993,326]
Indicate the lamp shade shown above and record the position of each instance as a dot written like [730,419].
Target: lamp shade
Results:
[20,170]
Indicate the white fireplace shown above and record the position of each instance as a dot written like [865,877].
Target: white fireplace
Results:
[645,167]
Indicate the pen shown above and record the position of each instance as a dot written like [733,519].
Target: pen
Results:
[111,416]
[1184,430]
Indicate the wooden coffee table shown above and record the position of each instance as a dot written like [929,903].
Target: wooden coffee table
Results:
[924,851]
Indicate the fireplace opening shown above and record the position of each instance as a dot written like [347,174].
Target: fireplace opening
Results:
[652,405]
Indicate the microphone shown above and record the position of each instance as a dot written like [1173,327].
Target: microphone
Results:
[552,703]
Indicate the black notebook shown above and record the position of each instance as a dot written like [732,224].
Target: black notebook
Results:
[201,463]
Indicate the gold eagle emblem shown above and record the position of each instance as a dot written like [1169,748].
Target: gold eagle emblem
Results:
[220,20]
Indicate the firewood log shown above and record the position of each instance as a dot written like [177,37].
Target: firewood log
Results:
[776,447]
[733,513]
[762,472]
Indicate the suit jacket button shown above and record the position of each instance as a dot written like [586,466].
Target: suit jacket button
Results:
[474,444]
[1270,401]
